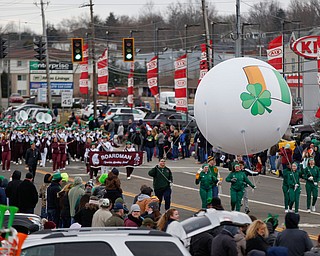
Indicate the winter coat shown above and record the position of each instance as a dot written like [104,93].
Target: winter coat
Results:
[131,221]
[27,195]
[257,243]
[12,188]
[100,218]
[224,245]
[240,239]
[115,221]
[200,245]
[85,216]
[52,196]
[162,177]
[74,196]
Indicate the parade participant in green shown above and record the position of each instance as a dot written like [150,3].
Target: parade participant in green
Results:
[312,177]
[215,172]
[238,181]
[285,189]
[206,180]
[293,179]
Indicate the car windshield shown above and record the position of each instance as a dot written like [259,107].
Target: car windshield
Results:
[193,224]
[172,100]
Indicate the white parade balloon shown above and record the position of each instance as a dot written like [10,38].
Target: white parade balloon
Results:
[243,106]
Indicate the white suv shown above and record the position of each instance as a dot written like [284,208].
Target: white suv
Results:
[102,241]
[137,113]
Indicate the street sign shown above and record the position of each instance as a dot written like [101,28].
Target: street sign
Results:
[42,95]
[306,46]
[66,99]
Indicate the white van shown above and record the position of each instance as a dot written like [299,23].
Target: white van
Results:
[167,101]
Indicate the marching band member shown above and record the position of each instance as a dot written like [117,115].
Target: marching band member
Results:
[129,148]
[55,154]
[62,155]
[105,146]
[93,170]
[43,147]
[6,153]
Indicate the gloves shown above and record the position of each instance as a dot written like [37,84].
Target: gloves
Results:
[315,183]
[254,187]
[233,180]
[310,178]
[197,176]
[199,171]
[296,186]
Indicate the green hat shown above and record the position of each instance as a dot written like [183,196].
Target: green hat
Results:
[65,177]
[128,142]
[205,165]
[103,178]
[90,118]
[56,176]
[93,143]
[31,142]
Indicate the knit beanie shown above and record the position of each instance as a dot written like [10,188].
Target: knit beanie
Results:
[292,220]
[77,181]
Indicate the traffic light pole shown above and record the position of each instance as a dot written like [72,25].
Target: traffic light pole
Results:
[47,56]
[94,80]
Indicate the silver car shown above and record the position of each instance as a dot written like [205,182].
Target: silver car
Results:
[102,241]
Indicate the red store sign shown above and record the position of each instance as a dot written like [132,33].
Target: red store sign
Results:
[306,47]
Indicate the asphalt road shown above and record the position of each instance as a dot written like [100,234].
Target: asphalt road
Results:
[267,198]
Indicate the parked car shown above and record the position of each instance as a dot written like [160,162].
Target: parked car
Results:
[191,109]
[119,118]
[118,92]
[24,223]
[103,241]
[296,117]
[300,132]
[16,98]
[77,102]
[88,111]
[137,113]
[212,220]
[176,119]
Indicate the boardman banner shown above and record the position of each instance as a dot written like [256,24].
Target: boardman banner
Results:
[120,158]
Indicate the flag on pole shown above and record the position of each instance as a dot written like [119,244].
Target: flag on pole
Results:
[180,83]
[103,73]
[152,77]
[130,86]
[84,76]
[292,40]
[203,62]
[275,53]
[293,80]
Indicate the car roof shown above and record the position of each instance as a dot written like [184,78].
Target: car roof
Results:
[209,219]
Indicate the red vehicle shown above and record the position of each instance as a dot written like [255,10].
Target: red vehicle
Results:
[296,117]
[118,92]
[16,98]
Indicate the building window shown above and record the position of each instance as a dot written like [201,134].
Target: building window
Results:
[19,63]
[22,92]
[22,77]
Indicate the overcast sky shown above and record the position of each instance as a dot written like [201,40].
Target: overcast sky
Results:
[24,13]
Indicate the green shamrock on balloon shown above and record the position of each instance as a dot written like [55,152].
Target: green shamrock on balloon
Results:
[258,100]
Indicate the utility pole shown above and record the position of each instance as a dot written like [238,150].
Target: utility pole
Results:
[207,32]
[238,28]
[47,55]
[94,72]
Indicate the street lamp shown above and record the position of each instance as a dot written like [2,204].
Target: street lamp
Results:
[212,31]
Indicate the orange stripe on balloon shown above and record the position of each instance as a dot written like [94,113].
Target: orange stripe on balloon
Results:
[254,76]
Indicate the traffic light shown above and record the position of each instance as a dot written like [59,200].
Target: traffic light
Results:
[77,49]
[39,47]
[3,48]
[128,49]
